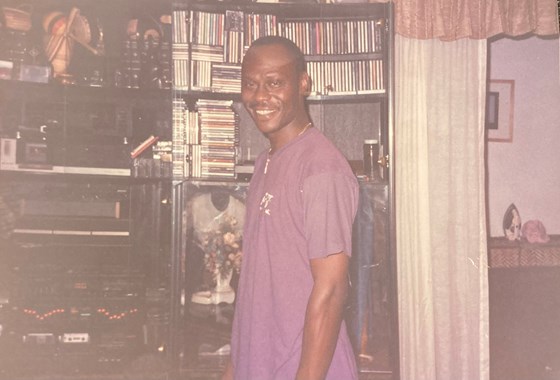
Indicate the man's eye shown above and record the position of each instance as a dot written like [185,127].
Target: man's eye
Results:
[249,84]
[275,83]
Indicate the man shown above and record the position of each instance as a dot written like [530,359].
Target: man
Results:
[301,203]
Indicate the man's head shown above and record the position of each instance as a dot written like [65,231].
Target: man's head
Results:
[292,49]
[274,85]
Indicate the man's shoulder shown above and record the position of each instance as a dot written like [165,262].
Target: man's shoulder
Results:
[320,145]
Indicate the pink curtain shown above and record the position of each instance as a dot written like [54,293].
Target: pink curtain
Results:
[477,19]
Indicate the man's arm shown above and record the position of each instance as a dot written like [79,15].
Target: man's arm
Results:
[324,315]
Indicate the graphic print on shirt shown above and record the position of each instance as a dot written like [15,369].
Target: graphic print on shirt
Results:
[265,202]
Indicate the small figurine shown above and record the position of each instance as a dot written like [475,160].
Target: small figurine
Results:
[512,223]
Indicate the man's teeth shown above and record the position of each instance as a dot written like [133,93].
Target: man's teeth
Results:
[264,112]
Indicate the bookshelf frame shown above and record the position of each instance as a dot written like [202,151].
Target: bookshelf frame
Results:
[374,116]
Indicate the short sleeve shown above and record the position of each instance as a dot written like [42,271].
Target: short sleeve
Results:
[330,203]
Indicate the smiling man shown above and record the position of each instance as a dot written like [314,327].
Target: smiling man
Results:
[301,204]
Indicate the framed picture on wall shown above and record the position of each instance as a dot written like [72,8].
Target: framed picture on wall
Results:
[499,110]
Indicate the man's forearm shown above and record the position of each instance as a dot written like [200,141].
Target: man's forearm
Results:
[322,325]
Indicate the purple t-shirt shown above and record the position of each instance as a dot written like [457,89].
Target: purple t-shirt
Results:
[301,208]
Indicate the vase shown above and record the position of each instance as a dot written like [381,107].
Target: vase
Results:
[222,292]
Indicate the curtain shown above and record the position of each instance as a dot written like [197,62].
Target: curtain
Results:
[479,19]
[440,209]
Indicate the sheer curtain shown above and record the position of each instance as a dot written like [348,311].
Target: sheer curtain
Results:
[440,209]
[439,177]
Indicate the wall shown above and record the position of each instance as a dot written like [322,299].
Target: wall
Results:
[527,171]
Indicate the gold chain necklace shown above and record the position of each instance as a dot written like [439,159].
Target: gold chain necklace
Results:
[305,128]
[269,149]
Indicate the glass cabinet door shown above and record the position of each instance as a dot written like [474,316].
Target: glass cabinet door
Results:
[369,314]
[208,246]
[209,220]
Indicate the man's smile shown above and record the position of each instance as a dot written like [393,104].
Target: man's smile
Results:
[264,112]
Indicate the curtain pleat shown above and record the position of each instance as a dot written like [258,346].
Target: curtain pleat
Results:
[476,19]
[440,209]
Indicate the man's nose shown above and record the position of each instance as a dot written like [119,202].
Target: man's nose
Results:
[262,92]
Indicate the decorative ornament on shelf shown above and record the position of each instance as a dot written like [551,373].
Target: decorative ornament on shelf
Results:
[17,48]
[535,232]
[222,256]
[512,223]
[18,19]
[63,31]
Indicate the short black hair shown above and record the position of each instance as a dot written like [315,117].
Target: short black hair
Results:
[294,50]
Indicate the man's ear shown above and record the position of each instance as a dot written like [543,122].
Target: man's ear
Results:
[305,84]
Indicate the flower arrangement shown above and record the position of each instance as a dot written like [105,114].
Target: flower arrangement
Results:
[222,248]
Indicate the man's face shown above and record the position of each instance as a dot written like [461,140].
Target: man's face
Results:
[272,89]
